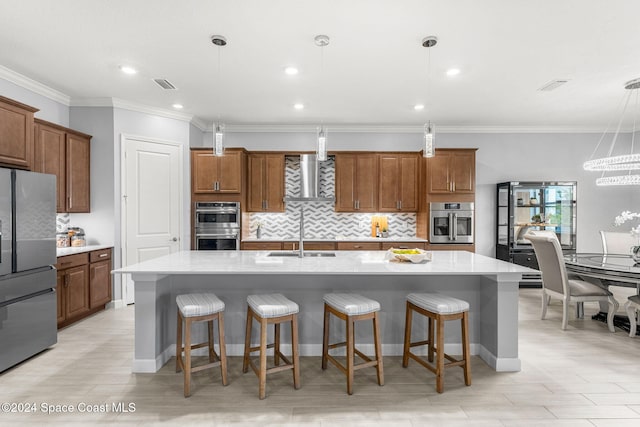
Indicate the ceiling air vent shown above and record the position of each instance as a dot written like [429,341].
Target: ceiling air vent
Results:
[164,84]
[553,84]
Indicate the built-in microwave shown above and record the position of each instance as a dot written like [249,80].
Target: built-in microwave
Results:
[451,223]
[217,215]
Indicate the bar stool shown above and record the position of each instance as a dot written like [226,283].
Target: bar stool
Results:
[438,308]
[275,309]
[199,308]
[352,308]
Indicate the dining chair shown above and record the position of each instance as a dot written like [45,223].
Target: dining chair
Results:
[616,243]
[556,283]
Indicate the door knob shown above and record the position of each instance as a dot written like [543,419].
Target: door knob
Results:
[175,239]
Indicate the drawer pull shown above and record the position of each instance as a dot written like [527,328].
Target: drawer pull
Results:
[66,262]
[103,255]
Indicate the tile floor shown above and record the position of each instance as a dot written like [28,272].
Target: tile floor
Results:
[583,376]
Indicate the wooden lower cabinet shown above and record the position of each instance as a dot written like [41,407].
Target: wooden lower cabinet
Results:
[261,246]
[99,278]
[84,285]
[310,246]
[358,246]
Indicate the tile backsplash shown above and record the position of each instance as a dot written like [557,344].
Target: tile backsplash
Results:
[62,222]
[320,219]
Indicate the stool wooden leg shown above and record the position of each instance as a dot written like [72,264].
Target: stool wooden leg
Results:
[407,334]
[276,344]
[430,345]
[466,353]
[179,342]
[294,351]
[247,341]
[187,357]
[325,338]
[440,356]
[376,339]
[263,359]
[210,334]
[350,353]
[223,349]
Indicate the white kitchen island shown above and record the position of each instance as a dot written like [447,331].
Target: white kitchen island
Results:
[489,285]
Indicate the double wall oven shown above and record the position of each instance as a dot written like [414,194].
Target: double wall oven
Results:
[451,223]
[217,226]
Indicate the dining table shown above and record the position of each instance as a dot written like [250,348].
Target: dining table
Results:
[610,270]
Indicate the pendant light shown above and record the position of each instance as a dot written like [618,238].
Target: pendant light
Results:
[622,162]
[322,131]
[218,127]
[429,128]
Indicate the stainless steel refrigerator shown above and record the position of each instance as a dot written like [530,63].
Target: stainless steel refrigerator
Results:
[27,254]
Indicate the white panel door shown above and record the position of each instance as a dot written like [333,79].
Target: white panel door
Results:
[152,202]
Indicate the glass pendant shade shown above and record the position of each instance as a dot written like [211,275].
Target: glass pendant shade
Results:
[321,151]
[429,139]
[218,139]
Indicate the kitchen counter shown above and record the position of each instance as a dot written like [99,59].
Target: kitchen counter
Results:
[80,249]
[489,285]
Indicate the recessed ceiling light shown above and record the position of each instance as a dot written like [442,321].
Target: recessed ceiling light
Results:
[453,72]
[178,106]
[418,107]
[128,70]
[291,71]
[298,106]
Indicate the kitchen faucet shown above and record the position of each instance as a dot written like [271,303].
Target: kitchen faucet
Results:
[300,245]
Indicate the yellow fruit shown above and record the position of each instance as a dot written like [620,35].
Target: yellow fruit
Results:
[406,251]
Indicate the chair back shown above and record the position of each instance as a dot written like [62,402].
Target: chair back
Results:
[550,260]
[616,243]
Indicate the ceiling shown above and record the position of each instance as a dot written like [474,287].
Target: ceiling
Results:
[372,73]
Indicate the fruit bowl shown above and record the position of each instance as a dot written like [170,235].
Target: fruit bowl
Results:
[408,255]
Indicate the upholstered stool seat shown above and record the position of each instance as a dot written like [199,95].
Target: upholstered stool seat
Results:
[351,308]
[271,309]
[437,308]
[203,307]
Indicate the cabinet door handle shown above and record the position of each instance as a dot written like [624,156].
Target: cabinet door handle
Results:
[400,202]
[357,246]
[453,184]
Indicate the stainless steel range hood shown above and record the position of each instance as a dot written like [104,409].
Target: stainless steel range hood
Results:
[309,181]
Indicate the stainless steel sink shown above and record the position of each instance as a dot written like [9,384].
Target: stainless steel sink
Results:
[306,254]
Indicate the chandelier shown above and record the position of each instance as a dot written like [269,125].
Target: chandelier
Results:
[621,162]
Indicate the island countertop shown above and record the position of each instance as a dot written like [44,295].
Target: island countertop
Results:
[345,262]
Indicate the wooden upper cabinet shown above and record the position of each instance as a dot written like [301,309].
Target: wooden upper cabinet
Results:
[67,155]
[452,171]
[16,134]
[49,157]
[212,174]
[78,173]
[266,183]
[356,182]
[399,178]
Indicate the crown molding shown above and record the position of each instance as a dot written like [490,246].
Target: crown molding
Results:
[131,106]
[34,86]
[406,129]
[200,124]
